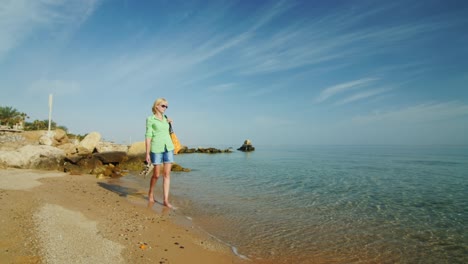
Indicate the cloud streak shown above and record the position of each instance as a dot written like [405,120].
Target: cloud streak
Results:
[341,88]
[20,19]
[428,112]
[363,95]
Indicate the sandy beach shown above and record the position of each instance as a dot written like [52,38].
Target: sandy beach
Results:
[53,217]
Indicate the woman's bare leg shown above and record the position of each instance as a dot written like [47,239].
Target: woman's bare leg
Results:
[153,181]
[167,183]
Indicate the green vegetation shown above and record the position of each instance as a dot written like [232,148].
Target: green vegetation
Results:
[10,117]
[42,125]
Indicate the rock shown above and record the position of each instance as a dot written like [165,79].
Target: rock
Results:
[73,169]
[101,176]
[45,140]
[32,156]
[90,164]
[74,158]
[11,141]
[210,150]
[247,146]
[111,157]
[133,163]
[110,147]
[89,143]
[32,137]
[69,148]
[60,136]
[185,149]
[177,167]
[137,149]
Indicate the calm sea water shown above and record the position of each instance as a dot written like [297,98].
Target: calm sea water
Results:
[330,204]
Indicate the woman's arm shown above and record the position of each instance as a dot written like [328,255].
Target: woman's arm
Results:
[148,148]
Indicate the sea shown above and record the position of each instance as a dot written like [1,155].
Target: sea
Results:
[327,204]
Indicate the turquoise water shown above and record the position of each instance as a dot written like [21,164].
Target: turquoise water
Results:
[330,204]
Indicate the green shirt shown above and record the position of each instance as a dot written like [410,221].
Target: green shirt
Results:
[158,131]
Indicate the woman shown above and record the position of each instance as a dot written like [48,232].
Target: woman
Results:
[159,148]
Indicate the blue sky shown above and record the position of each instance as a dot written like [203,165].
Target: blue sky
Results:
[275,72]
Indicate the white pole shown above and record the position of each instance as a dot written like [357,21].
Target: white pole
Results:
[50,112]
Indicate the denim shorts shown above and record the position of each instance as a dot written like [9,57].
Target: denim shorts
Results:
[160,158]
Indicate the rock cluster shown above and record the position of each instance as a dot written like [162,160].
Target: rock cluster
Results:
[56,151]
[204,150]
[247,146]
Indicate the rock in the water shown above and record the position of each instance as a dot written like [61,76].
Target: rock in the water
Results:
[247,146]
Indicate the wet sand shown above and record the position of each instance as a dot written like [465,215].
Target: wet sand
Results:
[53,217]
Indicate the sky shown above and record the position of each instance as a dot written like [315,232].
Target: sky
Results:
[275,72]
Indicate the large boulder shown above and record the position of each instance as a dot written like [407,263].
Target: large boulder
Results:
[110,147]
[60,136]
[89,143]
[33,156]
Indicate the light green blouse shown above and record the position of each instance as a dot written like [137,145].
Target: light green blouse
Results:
[158,131]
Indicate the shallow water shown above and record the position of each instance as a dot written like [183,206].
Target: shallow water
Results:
[329,204]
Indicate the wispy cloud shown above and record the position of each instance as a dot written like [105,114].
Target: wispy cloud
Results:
[337,37]
[222,87]
[418,113]
[19,19]
[343,87]
[363,95]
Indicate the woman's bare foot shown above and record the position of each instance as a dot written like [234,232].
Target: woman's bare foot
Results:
[151,198]
[168,205]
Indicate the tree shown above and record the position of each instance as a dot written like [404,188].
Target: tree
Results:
[43,125]
[10,116]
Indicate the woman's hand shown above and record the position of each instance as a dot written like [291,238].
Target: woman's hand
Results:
[148,159]
[169,120]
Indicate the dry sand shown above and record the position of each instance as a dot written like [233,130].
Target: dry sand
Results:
[53,217]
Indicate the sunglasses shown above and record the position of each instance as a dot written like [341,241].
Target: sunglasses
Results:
[164,106]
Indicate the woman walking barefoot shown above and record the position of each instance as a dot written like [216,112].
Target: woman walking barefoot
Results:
[159,148]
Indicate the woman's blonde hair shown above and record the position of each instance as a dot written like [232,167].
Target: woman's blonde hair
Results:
[158,102]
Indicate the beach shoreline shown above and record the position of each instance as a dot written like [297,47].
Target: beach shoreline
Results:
[52,217]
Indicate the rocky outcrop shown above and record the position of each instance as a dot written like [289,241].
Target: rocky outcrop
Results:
[55,151]
[32,156]
[138,149]
[212,150]
[187,150]
[247,146]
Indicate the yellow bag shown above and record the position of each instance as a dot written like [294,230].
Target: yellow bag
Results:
[176,142]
